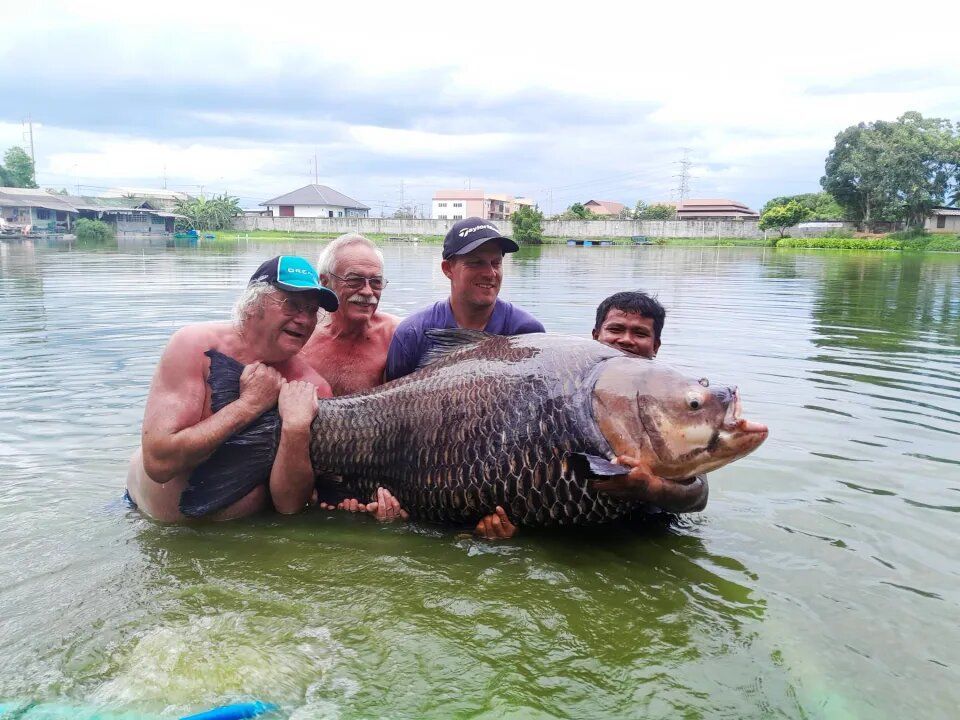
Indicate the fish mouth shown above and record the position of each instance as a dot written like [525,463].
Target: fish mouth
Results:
[734,423]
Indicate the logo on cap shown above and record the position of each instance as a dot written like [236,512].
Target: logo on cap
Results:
[466,231]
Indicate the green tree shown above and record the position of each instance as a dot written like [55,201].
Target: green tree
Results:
[658,211]
[579,211]
[527,226]
[17,169]
[782,217]
[822,205]
[899,170]
[639,209]
[217,213]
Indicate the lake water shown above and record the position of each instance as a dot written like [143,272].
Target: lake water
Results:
[822,581]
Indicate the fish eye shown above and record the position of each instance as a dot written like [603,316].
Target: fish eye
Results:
[693,401]
[704,382]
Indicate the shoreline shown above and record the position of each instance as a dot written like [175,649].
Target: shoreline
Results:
[931,243]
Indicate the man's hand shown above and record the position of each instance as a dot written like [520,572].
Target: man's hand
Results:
[297,403]
[259,388]
[686,495]
[386,508]
[496,526]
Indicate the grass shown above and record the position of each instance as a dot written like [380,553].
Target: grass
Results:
[909,241]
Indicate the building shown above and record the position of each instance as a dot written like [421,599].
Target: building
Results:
[605,208]
[127,215]
[459,204]
[715,210]
[158,199]
[943,219]
[316,201]
[33,211]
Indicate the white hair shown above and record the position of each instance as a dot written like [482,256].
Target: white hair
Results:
[250,302]
[328,257]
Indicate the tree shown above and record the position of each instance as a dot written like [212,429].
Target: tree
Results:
[639,209]
[658,211]
[899,170]
[527,226]
[17,169]
[782,217]
[579,211]
[822,205]
[217,213]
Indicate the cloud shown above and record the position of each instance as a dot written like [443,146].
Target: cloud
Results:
[508,96]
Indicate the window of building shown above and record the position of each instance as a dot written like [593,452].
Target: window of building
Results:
[439,204]
[339,213]
[458,204]
[458,217]
[43,214]
[941,221]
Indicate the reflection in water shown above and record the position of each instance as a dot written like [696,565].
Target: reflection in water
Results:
[817,555]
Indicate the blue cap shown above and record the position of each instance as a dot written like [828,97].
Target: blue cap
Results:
[294,274]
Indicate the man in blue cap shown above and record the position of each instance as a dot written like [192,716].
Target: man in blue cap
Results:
[272,321]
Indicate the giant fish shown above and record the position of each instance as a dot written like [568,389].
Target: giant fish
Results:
[528,422]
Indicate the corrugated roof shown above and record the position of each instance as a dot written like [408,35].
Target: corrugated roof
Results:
[610,207]
[316,195]
[32,197]
[945,211]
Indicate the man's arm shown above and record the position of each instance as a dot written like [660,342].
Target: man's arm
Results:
[175,438]
[291,477]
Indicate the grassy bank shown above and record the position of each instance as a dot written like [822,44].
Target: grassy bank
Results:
[283,236]
[906,241]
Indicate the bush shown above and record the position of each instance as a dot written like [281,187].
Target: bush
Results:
[944,243]
[838,233]
[831,243]
[527,226]
[92,230]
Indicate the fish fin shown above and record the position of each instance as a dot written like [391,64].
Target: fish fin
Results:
[243,461]
[447,340]
[601,467]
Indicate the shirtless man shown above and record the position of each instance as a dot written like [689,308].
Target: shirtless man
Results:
[349,347]
[273,319]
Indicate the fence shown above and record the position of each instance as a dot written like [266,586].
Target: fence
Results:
[551,228]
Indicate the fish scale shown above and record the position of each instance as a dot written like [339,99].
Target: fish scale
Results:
[491,424]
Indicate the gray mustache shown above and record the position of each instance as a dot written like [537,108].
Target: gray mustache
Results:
[362,300]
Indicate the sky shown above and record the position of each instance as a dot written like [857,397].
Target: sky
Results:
[388,102]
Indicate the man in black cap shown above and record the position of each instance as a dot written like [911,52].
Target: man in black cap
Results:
[273,319]
[473,253]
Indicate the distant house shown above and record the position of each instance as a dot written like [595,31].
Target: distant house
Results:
[605,208]
[35,211]
[715,210]
[158,199]
[943,219]
[316,201]
[459,204]
[127,215]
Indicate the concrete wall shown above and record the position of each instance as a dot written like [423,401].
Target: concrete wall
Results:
[951,224]
[552,228]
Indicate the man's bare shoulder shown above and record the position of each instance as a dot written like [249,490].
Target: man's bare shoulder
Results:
[216,335]
[387,323]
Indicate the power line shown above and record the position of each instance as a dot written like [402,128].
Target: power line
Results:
[684,177]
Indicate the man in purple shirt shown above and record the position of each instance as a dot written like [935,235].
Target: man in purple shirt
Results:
[473,253]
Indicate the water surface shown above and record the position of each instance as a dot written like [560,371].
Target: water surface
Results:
[823,579]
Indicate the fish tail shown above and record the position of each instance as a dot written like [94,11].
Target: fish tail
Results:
[242,462]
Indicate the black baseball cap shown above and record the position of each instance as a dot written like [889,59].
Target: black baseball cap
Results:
[470,233]
[294,274]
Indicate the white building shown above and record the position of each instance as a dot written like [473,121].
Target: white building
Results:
[943,219]
[459,204]
[316,201]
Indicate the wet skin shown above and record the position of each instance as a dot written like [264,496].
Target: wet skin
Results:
[349,347]
[180,431]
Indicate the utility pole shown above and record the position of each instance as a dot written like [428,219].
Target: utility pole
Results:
[164,176]
[316,169]
[33,159]
[684,177]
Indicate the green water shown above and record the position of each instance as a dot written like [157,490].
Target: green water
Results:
[822,581]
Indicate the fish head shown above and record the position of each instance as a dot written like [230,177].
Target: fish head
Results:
[679,426]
